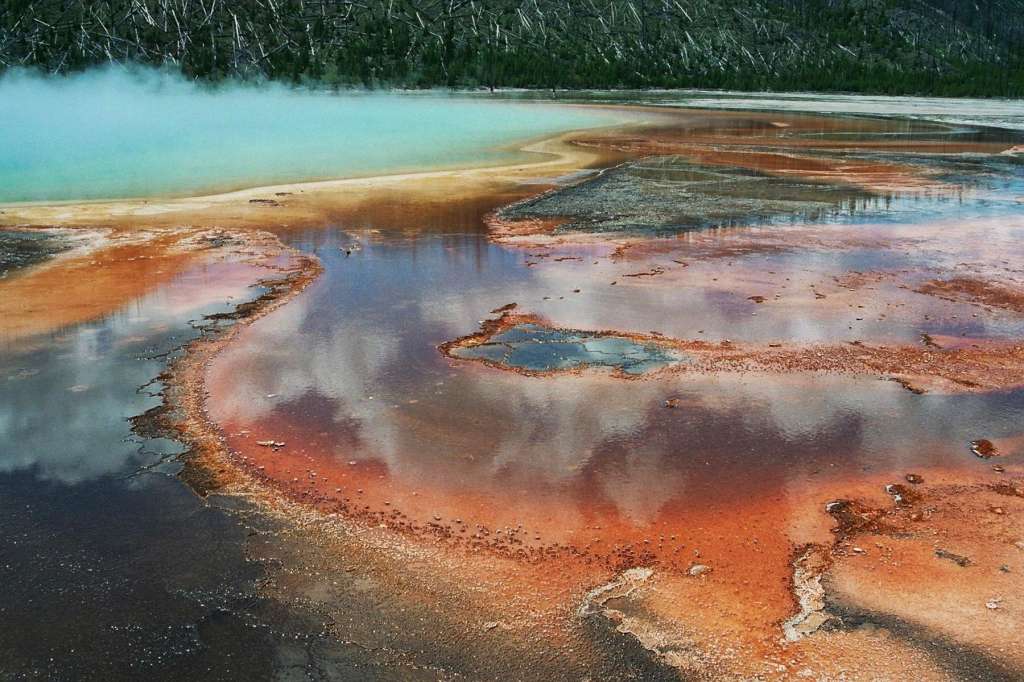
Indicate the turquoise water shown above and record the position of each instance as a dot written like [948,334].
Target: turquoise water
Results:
[540,349]
[117,133]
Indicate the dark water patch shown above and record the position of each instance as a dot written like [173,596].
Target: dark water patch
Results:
[19,249]
[961,661]
[113,568]
[533,348]
[122,581]
[669,194]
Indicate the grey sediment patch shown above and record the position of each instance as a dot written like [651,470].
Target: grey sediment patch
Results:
[22,248]
[533,348]
[808,569]
[610,631]
[668,194]
[963,662]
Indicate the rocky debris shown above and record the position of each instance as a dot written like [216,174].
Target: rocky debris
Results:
[958,559]
[808,569]
[653,272]
[673,403]
[975,291]
[756,299]
[984,448]
[905,383]
[902,495]
[265,202]
[270,443]
[854,517]
[914,479]
[628,581]
[496,624]
[1008,489]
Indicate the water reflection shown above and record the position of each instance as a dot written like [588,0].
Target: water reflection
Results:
[112,567]
[350,373]
[65,399]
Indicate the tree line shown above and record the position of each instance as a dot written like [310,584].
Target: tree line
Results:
[945,47]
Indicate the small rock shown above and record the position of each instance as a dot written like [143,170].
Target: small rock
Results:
[984,448]
[959,560]
[699,569]
[672,403]
[914,479]
[993,604]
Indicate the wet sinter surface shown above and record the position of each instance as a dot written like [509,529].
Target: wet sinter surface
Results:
[369,402]
[533,491]
[572,455]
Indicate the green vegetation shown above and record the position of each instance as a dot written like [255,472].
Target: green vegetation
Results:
[946,47]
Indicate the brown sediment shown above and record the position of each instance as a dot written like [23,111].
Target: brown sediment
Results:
[988,367]
[977,291]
